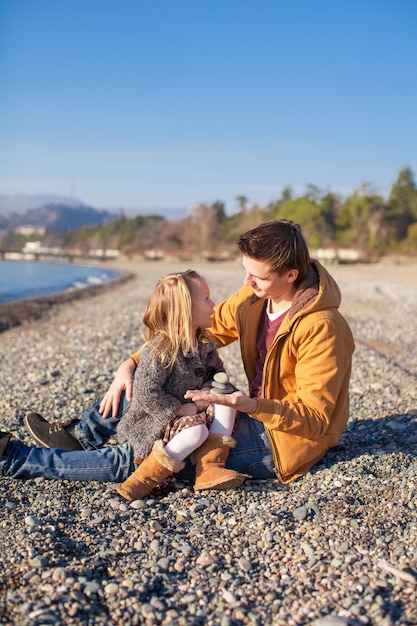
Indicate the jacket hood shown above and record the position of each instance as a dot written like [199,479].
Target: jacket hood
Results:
[318,291]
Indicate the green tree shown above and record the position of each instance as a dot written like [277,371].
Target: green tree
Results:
[219,210]
[330,203]
[402,204]
[361,220]
[412,238]
[313,193]
[287,193]
[242,202]
[308,214]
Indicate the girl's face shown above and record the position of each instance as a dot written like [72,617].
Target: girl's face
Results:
[202,305]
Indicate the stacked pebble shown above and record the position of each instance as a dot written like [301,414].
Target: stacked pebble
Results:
[336,548]
[220,383]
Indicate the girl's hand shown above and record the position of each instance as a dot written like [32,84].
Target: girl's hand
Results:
[203,404]
[189,408]
[237,400]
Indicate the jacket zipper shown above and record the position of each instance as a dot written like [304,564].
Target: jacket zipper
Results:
[274,456]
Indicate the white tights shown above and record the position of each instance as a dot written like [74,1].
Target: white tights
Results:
[189,439]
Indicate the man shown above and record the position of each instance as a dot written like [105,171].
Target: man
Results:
[297,352]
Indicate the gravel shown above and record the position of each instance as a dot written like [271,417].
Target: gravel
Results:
[338,547]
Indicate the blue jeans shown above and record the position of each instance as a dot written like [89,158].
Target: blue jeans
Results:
[112,464]
[93,431]
[252,454]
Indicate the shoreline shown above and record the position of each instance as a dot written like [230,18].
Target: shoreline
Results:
[18,312]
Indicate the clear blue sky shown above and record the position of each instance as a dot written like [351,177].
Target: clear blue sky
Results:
[169,103]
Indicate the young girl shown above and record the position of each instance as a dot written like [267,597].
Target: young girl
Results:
[160,425]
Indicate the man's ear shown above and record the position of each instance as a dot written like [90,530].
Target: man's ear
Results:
[292,275]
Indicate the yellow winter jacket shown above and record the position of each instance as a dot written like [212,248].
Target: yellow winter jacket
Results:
[305,388]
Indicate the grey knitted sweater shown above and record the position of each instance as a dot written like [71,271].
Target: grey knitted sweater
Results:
[159,392]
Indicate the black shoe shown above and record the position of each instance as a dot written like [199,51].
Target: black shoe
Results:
[4,440]
[50,435]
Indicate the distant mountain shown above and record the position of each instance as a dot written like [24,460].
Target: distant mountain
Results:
[11,204]
[170,213]
[20,203]
[56,217]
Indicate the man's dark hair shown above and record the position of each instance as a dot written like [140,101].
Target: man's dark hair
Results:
[280,243]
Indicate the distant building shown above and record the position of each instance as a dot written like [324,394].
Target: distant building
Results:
[337,255]
[108,253]
[31,246]
[27,231]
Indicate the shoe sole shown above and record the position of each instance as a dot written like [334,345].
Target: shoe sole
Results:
[32,433]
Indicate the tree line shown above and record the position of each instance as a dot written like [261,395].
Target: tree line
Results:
[363,220]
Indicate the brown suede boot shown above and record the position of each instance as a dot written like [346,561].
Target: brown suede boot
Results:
[210,460]
[151,472]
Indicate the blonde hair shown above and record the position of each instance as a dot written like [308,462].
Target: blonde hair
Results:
[168,316]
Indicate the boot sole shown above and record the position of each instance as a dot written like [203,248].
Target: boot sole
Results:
[126,495]
[232,483]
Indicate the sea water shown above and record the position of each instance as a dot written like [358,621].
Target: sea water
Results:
[30,279]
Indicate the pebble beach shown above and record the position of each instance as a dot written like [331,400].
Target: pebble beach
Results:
[337,547]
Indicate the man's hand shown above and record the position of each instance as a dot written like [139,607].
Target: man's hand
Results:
[123,381]
[237,400]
